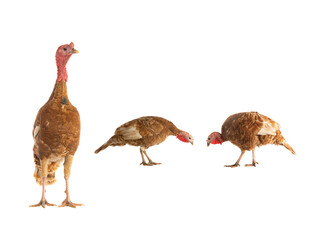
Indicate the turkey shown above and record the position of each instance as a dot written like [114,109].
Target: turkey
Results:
[145,132]
[56,132]
[247,130]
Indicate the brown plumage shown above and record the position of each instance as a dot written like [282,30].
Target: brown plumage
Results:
[247,130]
[56,131]
[145,132]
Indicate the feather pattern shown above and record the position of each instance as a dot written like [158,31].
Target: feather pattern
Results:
[269,127]
[250,129]
[36,131]
[128,132]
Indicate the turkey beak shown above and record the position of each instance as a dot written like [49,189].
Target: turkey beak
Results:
[208,144]
[74,51]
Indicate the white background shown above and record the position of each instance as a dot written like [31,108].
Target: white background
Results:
[192,62]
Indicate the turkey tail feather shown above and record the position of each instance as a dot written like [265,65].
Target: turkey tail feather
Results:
[280,140]
[105,145]
[286,145]
[113,141]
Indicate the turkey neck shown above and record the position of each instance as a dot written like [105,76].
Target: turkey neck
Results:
[175,131]
[60,92]
[223,137]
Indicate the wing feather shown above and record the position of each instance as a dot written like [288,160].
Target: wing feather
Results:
[140,128]
[36,131]
[269,126]
[128,132]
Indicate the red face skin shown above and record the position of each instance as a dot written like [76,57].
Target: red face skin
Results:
[214,138]
[185,137]
[62,57]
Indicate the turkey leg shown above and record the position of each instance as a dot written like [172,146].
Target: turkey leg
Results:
[143,160]
[254,163]
[44,169]
[236,163]
[67,171]
[149,160]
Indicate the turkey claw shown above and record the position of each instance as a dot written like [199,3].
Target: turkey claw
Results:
[42,203]
[155,163]
[145,164]
[149,164]
[70,204]
[232,166]
[252,164]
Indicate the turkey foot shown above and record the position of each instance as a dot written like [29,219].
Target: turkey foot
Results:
[237,162]
[68,203]
[254,164]
[154,163]
[42,203]
[149,163]
[232,166]
[146,164]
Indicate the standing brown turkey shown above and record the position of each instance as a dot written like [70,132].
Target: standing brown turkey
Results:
[56,132]
[145,132]
[247,130]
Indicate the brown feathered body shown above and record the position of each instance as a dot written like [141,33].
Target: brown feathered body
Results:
[144,132]
[56,132]
[247,130]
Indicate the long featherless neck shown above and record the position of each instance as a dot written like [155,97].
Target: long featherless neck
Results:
[61,65]
[60,89]
[62,75]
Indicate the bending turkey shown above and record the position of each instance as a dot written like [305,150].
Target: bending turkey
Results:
[248,130]
[145,132]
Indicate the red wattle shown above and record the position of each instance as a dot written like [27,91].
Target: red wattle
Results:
[216,141]
[181,138]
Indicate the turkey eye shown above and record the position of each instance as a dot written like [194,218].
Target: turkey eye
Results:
[189,138]
[64,49]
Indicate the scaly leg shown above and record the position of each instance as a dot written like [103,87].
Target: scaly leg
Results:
[149,160]
[67,171]
[237,163]
[143,160]
[44,169]
[254,164]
